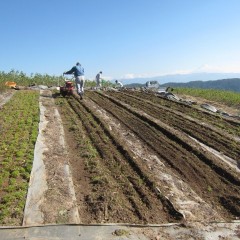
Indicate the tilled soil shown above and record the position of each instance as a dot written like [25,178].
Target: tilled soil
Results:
[134,159]
[131,157]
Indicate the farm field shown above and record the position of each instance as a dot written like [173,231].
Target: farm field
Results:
[144,158]
[136,158]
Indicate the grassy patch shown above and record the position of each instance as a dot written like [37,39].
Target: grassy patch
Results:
[19,120]
[227,97]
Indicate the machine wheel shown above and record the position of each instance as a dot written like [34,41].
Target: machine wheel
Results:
[64,94]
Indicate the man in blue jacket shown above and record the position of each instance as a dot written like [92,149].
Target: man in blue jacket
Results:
[78,72]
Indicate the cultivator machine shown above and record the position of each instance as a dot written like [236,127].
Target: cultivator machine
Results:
[67,89]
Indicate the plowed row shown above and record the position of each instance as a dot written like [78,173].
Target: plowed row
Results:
[113,184]
[209,135]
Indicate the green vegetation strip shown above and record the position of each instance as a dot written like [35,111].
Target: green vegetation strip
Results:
[227,97]
[22,79]
[19,120]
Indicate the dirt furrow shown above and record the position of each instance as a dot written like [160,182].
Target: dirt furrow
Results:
[170,133]
[231,125]
[100,198]
[203,133]
[126,178]
[210,181]
[184,199]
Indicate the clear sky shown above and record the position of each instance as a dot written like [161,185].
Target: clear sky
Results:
[123,38]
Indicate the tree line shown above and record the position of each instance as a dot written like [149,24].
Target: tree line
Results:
[22,79]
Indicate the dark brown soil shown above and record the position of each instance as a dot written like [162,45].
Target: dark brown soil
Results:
[113,183]
[137,158]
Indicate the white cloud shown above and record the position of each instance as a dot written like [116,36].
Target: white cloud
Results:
[233,68]
[152,75]
[179,72]
[207,68]
[133,75]
[130,76]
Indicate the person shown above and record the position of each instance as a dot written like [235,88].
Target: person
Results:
[119,83]
[78,72]
[99,79]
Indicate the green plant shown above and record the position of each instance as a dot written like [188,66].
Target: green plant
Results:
[19,118]
[15,174]
[227,97]
[121,232]
[209,189]
[98,180]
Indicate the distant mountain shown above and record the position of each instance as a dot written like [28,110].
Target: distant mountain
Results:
[178,78]
[232,84]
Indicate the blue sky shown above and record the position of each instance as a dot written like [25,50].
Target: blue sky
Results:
[123,38]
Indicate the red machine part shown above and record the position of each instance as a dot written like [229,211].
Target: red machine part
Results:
[67,90]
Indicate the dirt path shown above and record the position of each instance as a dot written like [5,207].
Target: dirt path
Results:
[51,196]
[5,97]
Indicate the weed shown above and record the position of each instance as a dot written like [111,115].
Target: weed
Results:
[121,232]
[209,189]
[15,173]
[11,188]
[20,153]
[72,128]
[98,180]
[12,181]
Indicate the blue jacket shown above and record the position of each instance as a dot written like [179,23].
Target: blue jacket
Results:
[76,70]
